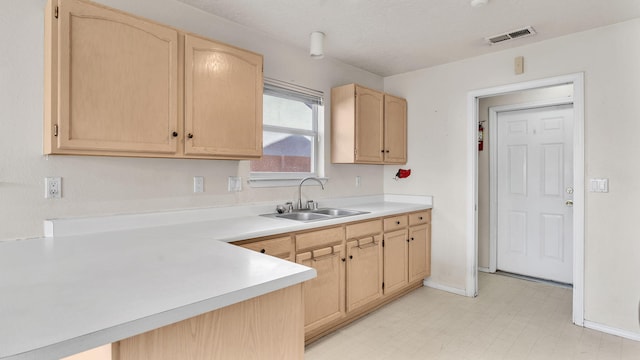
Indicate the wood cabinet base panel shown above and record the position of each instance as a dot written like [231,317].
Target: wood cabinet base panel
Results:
[266,327]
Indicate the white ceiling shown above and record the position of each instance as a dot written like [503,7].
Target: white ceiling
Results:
[388,37]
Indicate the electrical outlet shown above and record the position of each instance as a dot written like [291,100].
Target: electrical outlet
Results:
[235,184]
[52,187]
[198,184]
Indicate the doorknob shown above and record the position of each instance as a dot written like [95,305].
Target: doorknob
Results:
[569,203]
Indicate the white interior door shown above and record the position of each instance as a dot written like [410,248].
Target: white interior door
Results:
[535,192]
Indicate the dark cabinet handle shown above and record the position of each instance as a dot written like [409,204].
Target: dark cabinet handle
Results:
[174,134]
[387,151]
[343,259]
[420,218]
[411,239]
[263,251]
[190,136]
[350,257]
[397,222]
[407,240]
[382,151]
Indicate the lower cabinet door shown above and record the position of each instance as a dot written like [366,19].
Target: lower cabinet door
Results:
[419,252]
[395,260]
[364,271]
[324,295]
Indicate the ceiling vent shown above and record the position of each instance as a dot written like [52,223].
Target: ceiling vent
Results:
[514,34]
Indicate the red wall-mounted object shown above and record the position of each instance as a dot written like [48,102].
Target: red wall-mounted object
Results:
[402,173]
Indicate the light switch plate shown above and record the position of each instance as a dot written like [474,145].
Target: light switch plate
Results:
[235,184]
[518,65]
[599,185]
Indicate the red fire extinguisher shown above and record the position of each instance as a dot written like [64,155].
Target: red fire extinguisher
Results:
[480,136]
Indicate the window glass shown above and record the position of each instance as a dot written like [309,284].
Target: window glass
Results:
[286,112]
[290,132]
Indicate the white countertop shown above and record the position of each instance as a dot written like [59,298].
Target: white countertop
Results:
[69,293]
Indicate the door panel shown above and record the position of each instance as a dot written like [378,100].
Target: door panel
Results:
[419,252]
[223,100]
[364,271]
[395,130]
[396,249]
[517,170]
[323,295]
[534,233]
[118,80]
[369,126]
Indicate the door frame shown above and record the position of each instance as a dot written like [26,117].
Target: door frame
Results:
[493,166]
[471,278]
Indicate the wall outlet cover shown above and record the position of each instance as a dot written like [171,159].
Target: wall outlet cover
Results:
[235,184]
[53,187]
[198,184]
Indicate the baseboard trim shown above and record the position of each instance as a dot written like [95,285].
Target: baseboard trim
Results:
[435,285]
[484,269]
[612,331]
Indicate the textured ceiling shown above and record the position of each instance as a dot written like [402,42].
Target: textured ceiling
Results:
[388,37]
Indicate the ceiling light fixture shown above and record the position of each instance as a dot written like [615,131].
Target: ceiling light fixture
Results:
[316,46]
[478,3]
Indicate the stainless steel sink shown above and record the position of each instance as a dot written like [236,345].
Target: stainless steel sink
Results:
[303,216]
[337,212]
[316,215]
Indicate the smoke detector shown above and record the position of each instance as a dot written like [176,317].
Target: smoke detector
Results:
[510,35]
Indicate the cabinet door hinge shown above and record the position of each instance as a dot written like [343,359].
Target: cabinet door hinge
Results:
[55,12]
[383,286]
[382,243]
[55,130]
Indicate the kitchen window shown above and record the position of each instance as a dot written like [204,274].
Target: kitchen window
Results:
[290,134]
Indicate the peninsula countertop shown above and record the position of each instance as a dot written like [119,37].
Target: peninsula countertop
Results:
[77,290]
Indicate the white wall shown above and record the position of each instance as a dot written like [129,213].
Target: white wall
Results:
[106,185]
[610,59]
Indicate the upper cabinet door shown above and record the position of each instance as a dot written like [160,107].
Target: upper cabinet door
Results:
[223,100]
[117,83]
[395,130]
[369,125]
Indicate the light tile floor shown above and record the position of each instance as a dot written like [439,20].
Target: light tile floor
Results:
[510,319]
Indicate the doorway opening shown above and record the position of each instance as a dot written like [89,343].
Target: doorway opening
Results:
[569,90]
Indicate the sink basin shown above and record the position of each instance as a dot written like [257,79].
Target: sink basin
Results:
[316,215]
[337,212]
[303,216]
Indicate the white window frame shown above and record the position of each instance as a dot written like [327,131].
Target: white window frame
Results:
[281,89]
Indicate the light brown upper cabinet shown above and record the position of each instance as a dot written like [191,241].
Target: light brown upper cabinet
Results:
[223,99]
[112,82]
[367,126]
[120,85]
[395,130]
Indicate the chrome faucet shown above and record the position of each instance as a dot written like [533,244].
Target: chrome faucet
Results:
[300,189]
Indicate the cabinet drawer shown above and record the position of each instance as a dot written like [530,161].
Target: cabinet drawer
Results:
[395,223]
[423,217]
[280,247]
[356,231]
[320,238]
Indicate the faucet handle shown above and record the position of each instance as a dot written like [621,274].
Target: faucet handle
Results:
[289,206]
[310,204]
